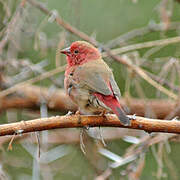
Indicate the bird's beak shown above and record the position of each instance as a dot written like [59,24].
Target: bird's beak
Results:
[66,51]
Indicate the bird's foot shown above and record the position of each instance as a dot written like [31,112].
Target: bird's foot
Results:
[70,113]
[133,117]
[103,113]
[77,112]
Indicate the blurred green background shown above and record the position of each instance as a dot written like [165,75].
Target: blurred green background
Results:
[104,20]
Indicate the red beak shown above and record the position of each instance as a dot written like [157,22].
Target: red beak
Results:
[66,51]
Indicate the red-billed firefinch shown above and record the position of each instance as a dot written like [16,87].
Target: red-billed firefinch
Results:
[90,83]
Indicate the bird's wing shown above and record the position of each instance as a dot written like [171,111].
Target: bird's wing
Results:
[96,83]
[98,77]
[115,87]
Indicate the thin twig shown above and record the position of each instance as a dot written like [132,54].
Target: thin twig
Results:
[11,141]
[151,27]
[63,23]
[11,24]
[31,81]
[142,45]
[6,8]
[164,81]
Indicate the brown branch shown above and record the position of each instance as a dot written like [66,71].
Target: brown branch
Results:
[149,125]
[123,61]
[30,97]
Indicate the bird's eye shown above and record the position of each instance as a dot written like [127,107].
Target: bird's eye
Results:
[76,51]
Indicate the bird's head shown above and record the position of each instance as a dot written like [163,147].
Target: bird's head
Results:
[81,52]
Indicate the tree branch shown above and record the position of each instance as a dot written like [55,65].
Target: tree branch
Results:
[74,121]
[30,97]
[161,42]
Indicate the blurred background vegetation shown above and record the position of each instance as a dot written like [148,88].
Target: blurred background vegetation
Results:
[32,48]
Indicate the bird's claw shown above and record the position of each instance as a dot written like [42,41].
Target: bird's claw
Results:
[133,117]
[77,113]
[103,113]
[70,113]
[175,118]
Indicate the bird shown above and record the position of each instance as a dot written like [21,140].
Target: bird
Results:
[90,83]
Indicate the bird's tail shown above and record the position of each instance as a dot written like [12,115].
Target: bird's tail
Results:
[122,116]
[117,109]
[113,103]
